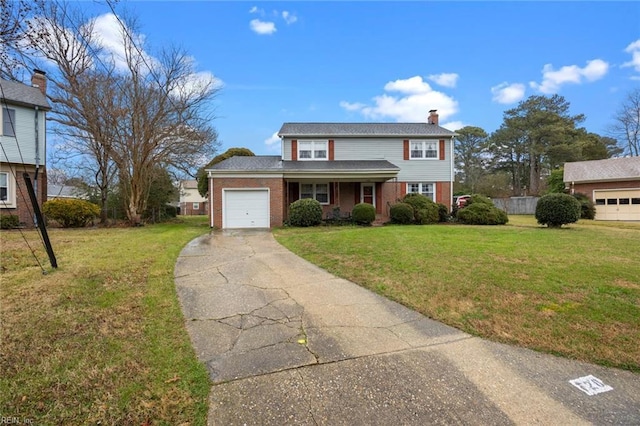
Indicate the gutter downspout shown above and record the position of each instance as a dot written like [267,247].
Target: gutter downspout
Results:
[37,141]
[210,184]
[452,173]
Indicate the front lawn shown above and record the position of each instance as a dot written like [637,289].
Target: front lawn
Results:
[100,340]
[573,291]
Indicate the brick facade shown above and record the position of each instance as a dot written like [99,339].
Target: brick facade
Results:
[186,208]
[276,193]
[24,209]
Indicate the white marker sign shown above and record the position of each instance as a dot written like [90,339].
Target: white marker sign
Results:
[590,385]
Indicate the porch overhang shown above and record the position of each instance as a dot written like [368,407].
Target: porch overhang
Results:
[340,171]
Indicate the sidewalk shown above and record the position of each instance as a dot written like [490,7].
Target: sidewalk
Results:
[285,342]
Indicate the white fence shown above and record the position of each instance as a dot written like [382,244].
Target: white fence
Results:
[517,205]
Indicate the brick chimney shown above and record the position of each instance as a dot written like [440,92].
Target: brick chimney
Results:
[39,80]
[433,117]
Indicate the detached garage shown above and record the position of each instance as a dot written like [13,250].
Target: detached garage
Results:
[613,185]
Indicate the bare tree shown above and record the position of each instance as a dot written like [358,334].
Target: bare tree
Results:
[124,110]
[626,126]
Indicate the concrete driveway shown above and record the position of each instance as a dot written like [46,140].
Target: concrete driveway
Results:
[285,342]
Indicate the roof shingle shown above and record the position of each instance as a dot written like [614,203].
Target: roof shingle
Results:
[22,94]
[363,129]
[611,169]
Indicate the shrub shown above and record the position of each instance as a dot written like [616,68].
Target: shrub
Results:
[479,199]
[587,209]
[443,213]
[425,211]
[70,213]
[363,213]
[480,213]
[9,221]
[555,210]
[401,213]
[305,212]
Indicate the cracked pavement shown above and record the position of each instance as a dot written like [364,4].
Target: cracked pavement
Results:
[286,342]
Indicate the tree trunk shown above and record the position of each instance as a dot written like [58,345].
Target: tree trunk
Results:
[534,175]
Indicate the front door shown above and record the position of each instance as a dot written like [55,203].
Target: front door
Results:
[368,193]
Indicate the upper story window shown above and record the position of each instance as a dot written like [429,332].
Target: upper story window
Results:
[312,150]
[8,122]
[196,206]
[424,150]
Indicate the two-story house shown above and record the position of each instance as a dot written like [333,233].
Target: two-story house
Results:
[191,202]
[23,140]
[338,164]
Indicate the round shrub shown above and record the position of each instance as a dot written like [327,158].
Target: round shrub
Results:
[9,221]
[587,208]
[363,213]
[401,213]
[555,210]
[482,214]
[70,213]
[425,211]
[305,212]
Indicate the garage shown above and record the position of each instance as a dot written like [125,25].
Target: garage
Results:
[617,204]
[245,208]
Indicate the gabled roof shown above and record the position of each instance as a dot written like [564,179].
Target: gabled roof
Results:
[250,163]
[612,169]
[363,129]
[189,184]
[17,93]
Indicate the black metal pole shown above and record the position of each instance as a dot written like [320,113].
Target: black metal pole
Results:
[40,222]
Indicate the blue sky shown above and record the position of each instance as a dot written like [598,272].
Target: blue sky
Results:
[393,61]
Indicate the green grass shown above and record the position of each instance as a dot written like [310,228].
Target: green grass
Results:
[573,291]
[100,340]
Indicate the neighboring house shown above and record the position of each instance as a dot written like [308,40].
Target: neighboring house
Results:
[338,164]
[23,140]
[613,185]
[191,202]
[56,192]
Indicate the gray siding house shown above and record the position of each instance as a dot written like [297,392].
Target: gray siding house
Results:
[339,165]
[23,140]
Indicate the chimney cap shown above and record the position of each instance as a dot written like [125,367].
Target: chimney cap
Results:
[432,111]
[37,71]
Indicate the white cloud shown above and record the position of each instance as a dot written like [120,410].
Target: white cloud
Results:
[505,93]
[273,142]
[444,79]
[194,84]
[262,27]
[453,125]
[553,79]
[254,9]
[288,17]
[634,50]
[415,100]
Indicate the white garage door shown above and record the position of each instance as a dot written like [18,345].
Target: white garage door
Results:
[620,204]
[245,208]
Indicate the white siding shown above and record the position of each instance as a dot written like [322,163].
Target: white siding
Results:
[25,136]
[286,152]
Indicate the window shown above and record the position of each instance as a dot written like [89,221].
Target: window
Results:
[426,189]
[599,201]
[612,201]
[635,201]
[312,150]
[424,150]
[317,191]
[8,122]
[4,187]
[7,192]
[624,201]
[196,206]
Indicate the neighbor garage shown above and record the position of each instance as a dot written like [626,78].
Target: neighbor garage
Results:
[621,204]
[245,208]
[612,184]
